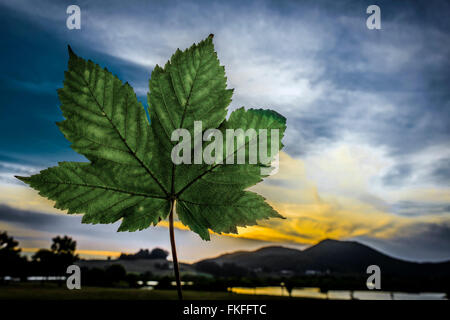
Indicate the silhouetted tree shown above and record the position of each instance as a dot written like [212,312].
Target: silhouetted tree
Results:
[156,253]
[64,245]
[94,277]
[209,267]
[115,273]
[11,263]
[233,270]
[225,270]
[147,276]
[8,243]
[56,260]
[132,280]
[164,283]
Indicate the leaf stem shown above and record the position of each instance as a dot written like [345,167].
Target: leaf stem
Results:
[174,251]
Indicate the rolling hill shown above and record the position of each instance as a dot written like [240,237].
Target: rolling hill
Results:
[328,256]
[160,267]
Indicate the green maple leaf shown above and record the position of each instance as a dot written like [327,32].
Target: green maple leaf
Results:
[130,175]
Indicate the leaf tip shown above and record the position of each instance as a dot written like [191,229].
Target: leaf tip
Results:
[279,216]
[23,179]
[71,53]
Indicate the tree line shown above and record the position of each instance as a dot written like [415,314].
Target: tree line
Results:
[45,262]
[52,263]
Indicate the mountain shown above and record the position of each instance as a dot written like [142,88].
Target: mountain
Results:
[328,256]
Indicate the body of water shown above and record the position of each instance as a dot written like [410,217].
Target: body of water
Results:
[315,293]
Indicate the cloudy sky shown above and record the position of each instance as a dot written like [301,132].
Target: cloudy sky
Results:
[367,153]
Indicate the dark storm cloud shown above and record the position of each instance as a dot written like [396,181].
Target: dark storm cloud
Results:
[38,224]
[53,223]
[33,63]
[441,173]
[432,240]
[415,208]
[37,221]
[398,174]
[403,64]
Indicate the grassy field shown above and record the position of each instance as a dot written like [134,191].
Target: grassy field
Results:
[53,292]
